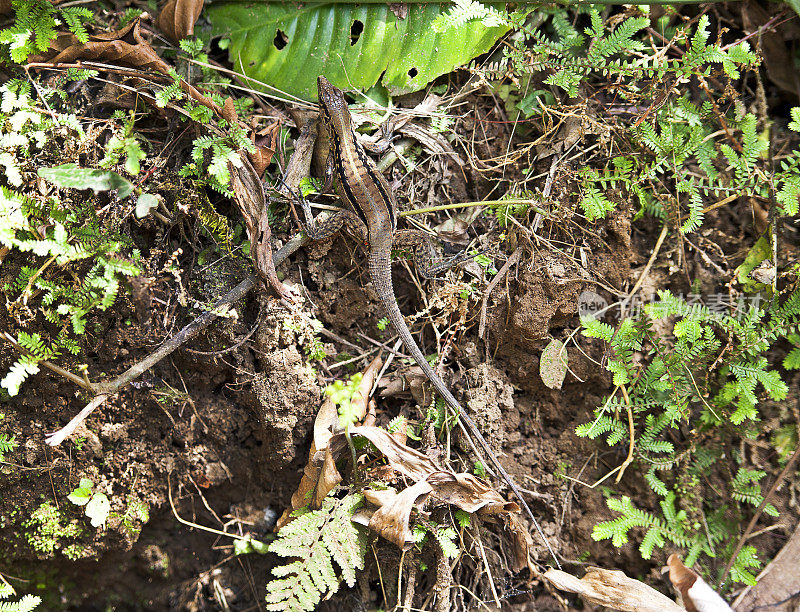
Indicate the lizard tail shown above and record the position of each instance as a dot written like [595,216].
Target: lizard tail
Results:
[380,272]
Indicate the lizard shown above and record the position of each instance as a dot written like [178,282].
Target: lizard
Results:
[372,218]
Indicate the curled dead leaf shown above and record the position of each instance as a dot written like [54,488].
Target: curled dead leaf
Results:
[125,47]
[266,141]
[178,17]
[465,491]
[613,589]
[469,493]
[320,475]
[392,517]
[250,199]
[697,595]
[389,512]
[229,111]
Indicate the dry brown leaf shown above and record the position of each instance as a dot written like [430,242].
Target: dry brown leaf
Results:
[613,589]
[391,511]
[320,474]
[406,460]
[697,595]
[465,491]
[469,493]
[125,47]
[522,542]
[178,17]
[249,197]
[229,111]
[391,518]
[266,141]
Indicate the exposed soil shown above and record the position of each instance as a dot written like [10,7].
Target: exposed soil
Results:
[220,439]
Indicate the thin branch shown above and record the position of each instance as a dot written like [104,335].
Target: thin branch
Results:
[104,390]
[629,458]
[53,367]
[650,262]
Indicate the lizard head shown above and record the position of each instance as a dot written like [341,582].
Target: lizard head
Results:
[332,105]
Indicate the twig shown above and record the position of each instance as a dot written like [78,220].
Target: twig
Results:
[195,525]
[104,390]
[721,202]
[629,458]
[233,347]
[411,583]
[786,469]
[649,265]
[53,367]
[509,202]
[477,535]
[498,277]
[380,574]
[444,581]
[58,437]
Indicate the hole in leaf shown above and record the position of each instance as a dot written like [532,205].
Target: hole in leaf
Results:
[280,40]
[355,31]
[413,72]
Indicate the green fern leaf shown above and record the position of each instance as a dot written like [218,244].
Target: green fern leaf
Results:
[22,369]
[792,360]
[316,538]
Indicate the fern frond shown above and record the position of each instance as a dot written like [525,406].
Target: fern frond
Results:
[316,537]
[19,371]
[75,17]
[25,604]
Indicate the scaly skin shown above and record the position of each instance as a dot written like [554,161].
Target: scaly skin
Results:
[373,219]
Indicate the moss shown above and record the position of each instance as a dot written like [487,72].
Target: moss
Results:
[76,551]
[47,529]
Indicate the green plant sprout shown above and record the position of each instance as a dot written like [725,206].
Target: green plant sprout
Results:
[96,504]
[46,530]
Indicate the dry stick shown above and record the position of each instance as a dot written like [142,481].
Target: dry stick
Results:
[650,262]
[196,525]
[105,390]
[514,258]
[53,367]
[477,535]
[629,458]
[786,469]
[444,581]
[411,583]
[233,347]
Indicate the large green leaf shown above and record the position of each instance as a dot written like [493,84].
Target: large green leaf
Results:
[287,46]
[72,177]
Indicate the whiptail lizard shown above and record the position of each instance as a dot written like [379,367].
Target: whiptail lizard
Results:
[373,220]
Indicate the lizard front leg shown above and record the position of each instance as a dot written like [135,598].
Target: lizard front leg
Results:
[424,253]
[341,219]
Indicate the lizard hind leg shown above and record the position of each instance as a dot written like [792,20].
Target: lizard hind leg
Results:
[320,229]
[428,264]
